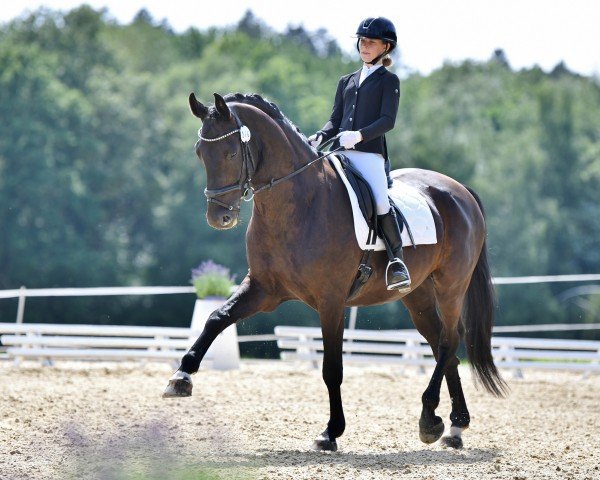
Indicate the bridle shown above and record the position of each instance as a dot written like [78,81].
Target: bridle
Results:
[248,168]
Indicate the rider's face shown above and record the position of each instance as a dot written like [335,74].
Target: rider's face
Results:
[371,48]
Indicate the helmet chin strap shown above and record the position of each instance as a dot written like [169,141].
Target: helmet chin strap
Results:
[376,59]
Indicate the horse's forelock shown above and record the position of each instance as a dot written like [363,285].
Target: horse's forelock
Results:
[213,113]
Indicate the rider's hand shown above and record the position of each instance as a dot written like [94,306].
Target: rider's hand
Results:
[315,140]
[349,139]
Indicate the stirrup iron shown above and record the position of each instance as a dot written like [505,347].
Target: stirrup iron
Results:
[402,286]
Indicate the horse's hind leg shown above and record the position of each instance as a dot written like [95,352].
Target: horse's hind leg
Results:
[421,304]
[443,339]
[459,416]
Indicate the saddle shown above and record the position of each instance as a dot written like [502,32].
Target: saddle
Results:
[366,203]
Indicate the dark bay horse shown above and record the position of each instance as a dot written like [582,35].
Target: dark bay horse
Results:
[301,245]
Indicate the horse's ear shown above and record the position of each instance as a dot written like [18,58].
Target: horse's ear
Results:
[222,107]
[197,108]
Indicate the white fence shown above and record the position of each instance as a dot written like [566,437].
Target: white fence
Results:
[408,347]
[100,342]
[23,292]
[47,341]
[110,342]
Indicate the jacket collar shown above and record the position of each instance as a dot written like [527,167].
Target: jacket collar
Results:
[356,75]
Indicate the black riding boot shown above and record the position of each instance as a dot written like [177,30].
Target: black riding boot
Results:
[397,276]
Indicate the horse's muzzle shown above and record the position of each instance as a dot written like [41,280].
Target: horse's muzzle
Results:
[223,219]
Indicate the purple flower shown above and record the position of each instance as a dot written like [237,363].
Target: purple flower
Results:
[208,267]
[212,280]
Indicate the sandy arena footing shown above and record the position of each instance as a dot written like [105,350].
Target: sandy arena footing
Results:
[108,421]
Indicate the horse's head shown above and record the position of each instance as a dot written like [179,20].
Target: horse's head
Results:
[222,147]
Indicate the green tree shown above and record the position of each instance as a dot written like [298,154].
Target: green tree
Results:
[100,185]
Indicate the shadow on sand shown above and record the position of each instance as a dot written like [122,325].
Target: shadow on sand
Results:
[387,461]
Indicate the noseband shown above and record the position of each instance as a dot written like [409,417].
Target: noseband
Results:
[248,168]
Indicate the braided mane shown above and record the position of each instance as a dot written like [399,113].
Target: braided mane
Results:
[269,108]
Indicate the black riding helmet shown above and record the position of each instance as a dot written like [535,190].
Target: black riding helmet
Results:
[380,28]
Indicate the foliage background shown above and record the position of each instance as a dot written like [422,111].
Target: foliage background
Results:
[99,184]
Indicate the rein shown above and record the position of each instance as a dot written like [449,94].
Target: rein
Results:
[248,168]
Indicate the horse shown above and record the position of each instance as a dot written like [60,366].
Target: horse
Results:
[301,245]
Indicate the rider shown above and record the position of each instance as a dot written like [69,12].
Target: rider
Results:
[365,107]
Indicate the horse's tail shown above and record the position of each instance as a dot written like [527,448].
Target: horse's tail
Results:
[478,315]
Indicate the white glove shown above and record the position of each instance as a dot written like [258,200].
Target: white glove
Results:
[315,140]
[349,139]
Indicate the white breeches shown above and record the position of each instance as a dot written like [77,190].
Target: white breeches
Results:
[372,167]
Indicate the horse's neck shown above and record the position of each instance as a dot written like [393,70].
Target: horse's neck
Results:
[281,153]
[280,159]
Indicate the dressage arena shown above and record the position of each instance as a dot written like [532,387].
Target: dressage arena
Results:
[108,421]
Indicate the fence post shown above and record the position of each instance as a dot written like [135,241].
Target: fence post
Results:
[21,307]
[505,352]
[589,372]
[353,314]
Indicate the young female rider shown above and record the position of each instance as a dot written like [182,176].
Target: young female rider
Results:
[365,107]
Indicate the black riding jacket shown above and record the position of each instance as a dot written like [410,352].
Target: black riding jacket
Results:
[370,108]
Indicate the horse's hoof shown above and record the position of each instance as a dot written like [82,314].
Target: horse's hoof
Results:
[431,433]
[323,444]
[180,385]
[452,442]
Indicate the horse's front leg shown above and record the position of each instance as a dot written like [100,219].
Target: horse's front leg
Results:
[332,326]
[248,299]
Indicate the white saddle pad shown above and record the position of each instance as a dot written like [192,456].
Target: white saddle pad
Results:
[410,202]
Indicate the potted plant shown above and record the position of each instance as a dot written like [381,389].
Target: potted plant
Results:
[213,284]
[212,280]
